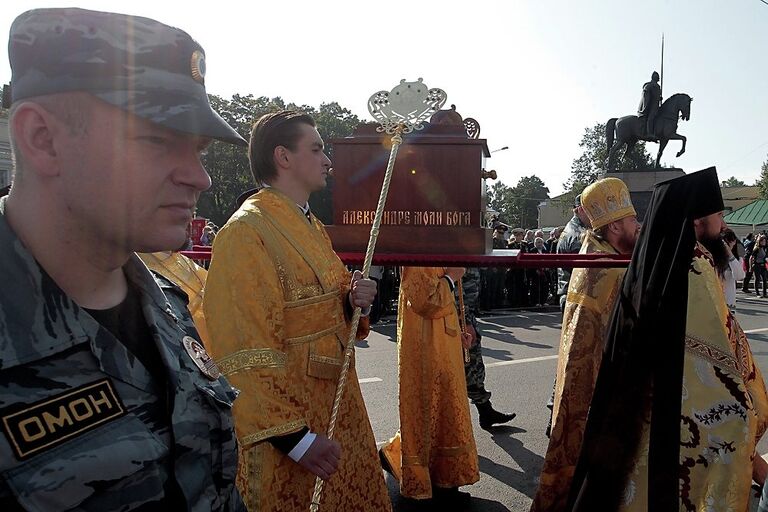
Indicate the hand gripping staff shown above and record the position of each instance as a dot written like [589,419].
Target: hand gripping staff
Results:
[399,111]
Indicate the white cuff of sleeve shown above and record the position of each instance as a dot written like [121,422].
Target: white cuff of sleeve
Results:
[450,281]
[302,446]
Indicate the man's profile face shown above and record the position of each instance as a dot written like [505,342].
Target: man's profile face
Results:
[309,164]
[131,183]
[630,231]
[709,227]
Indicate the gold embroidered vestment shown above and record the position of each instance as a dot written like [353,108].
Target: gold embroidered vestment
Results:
[724,405]
[435,445]
[186,274]
[592,294]
[275,309]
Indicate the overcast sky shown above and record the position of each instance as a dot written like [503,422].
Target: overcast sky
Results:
[534,73]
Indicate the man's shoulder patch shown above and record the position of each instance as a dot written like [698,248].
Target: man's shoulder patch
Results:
[49,422]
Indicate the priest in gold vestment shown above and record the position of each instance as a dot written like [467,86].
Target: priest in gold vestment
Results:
[679,404]
[188,275]
[592,294]
[724,407]
[278,303]
[434,452]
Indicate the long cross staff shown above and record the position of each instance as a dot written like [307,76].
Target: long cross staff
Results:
[399,111]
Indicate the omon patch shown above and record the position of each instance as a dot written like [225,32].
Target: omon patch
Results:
[54,420]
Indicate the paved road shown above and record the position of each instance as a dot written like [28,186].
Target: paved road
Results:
[520,353]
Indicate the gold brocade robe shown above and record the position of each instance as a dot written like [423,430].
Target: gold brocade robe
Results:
[724,406]
[186,274]
[592,293]
[274,303]
[435,445]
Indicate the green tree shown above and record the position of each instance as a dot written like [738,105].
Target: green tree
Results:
[500,200]
[333,122]
[228,164]
[733,182]
[762,183]
[518,205]
[588,167]
[528,193]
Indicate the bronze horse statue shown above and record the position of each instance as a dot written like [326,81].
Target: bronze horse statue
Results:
[629,129]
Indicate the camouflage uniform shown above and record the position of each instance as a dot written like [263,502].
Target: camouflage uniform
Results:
[86,423]
[569,243]
[74,403]
[475,369]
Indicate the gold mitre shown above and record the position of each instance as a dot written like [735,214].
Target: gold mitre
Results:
[606,201]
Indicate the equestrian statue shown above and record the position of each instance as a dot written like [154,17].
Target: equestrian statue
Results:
[655,122]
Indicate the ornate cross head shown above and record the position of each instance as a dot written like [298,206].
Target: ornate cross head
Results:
[405,107]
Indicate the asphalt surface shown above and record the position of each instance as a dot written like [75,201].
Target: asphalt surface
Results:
[520,354]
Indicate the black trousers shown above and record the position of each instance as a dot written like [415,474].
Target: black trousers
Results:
[761,275]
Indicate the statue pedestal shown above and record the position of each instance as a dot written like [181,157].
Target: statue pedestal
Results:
[640,183]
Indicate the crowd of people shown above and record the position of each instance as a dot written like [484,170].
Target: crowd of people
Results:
[125,388]
[504,287]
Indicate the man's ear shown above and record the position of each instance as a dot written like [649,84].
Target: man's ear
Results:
[614,227]
[281,157]
[34,132]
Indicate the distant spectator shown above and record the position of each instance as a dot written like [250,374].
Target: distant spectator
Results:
[207,237]
[734,272]
[551,248]
[552,240]
[529,237]
[758,258]
[517,289]
[538,278]
[500,237]
[749,246]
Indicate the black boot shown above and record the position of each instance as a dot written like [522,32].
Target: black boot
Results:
[490,416]
[450,496]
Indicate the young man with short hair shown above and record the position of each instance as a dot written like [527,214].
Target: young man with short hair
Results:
[278,304]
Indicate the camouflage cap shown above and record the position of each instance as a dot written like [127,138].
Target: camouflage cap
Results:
[138,64]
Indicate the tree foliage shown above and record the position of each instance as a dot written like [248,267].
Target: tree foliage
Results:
[518,205]
[733,182]
[592,163]
[762,183]
[228,164]
[3,111]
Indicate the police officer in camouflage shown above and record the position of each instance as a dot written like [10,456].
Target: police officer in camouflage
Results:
[474,370]
[570,243]
[108,400]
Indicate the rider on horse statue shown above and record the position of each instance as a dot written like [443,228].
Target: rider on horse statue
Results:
[649,106]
